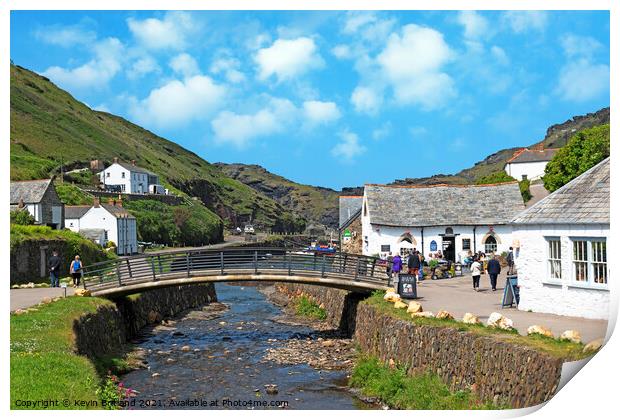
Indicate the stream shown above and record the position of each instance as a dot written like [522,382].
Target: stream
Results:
[215,359]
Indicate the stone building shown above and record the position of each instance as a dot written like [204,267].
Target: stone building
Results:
[562,254]
[350,223]
[40,199]
[529,163]
[453,219]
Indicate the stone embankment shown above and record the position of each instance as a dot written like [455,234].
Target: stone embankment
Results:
[495,370]
[106,331]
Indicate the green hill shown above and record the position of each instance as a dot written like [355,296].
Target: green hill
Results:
[50,127]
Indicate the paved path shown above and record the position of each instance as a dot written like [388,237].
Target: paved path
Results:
[24,298]
[458,297]
[538,192]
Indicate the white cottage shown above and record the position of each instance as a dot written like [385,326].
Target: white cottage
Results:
[129,178]
[39,198]
[529,163]
[118,224]
[454,219]
[562,254]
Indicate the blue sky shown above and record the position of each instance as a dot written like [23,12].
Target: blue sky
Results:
[329,98]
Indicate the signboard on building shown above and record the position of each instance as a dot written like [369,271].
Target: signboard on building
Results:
[433,246]
[346,234]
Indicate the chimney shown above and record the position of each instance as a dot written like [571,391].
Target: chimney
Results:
[96,202]
[111,201]
[115,160]
[133,162]
[21,203]
[119,201]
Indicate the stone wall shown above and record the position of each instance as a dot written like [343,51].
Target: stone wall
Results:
[494,369]
[106,331]
[354,244]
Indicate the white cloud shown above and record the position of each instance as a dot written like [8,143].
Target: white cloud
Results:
[474,24]
[581,81]
[418,131]
[522,21]
[171,32]
[412,62]
[357,19]
[179,102]
[349,147]
[581,46]
[500,55]
[367,99]
[102,108]
[317,112]
[240,129]
[184,64]
[382,132]
[341,51]
[142,67]
[65,36]
[95,73]
[288,58]
[258,41]
[229,67]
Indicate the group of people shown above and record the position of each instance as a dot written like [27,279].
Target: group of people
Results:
[415,265]
[75,269]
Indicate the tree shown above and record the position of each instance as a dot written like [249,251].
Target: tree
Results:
[494,178]
[21,217]
[584,150]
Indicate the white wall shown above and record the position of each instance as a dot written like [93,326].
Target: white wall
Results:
[73,224]
[134,182]
[533,170]
[538,292]
[373,236]
[122,231]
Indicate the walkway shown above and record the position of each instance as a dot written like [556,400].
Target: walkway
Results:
[24,298]
[458,297]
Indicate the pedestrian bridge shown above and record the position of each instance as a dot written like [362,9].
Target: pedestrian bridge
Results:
[124,276]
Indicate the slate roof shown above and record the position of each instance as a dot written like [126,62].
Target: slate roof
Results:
[584,200]
[76,212]
[117,211]
[134,168]
[531,155]
[443,205]
[348,205]
[29,191]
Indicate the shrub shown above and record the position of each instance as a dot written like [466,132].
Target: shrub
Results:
[495,178]
[22,217]
[524,187]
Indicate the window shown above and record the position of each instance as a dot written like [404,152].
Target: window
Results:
[524,177]
[590,261]
[107,175]
[555,259]
[466,244]
[122,174]
[490,245]
[385,248]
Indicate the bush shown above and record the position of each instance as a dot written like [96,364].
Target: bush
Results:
[22,217]
[524,187]
[495,178]
[584,150]
[308,308]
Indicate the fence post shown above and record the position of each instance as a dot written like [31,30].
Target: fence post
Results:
[344,263]
[314,262]
[323,266]
[161,270]
[187,262]
[118,273]
[153,268]
[357,268]
[289,257]
[255,262]
[129,268]
[222,262]
[372,270]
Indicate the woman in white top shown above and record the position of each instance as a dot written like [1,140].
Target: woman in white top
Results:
[475,273]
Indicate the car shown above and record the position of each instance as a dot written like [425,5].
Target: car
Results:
[248,229]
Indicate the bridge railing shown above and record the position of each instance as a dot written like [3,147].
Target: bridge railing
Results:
[238,260]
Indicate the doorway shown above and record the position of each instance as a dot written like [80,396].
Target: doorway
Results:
[448,247]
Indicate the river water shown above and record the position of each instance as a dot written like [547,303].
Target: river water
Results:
[223,368]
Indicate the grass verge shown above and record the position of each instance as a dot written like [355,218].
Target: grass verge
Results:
[558,348]
[44,365]
[395,388]
[306,307]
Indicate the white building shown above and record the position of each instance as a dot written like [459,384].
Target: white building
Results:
[39,198]
[129,178]
[562,255]
[454,219]
[117,223]
[529,163]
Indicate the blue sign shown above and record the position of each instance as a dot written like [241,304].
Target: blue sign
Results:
[433,246]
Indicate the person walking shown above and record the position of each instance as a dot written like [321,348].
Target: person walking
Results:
[388,268]
[54,267]
[421,268]
[397,265]
[413,263]
[510,258]
[75,269]
[494,268]
[475,273]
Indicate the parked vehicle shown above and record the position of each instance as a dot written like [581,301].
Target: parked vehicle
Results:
[248,229]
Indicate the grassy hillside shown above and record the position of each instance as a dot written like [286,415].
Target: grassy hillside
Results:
[50,127]
[315,204]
